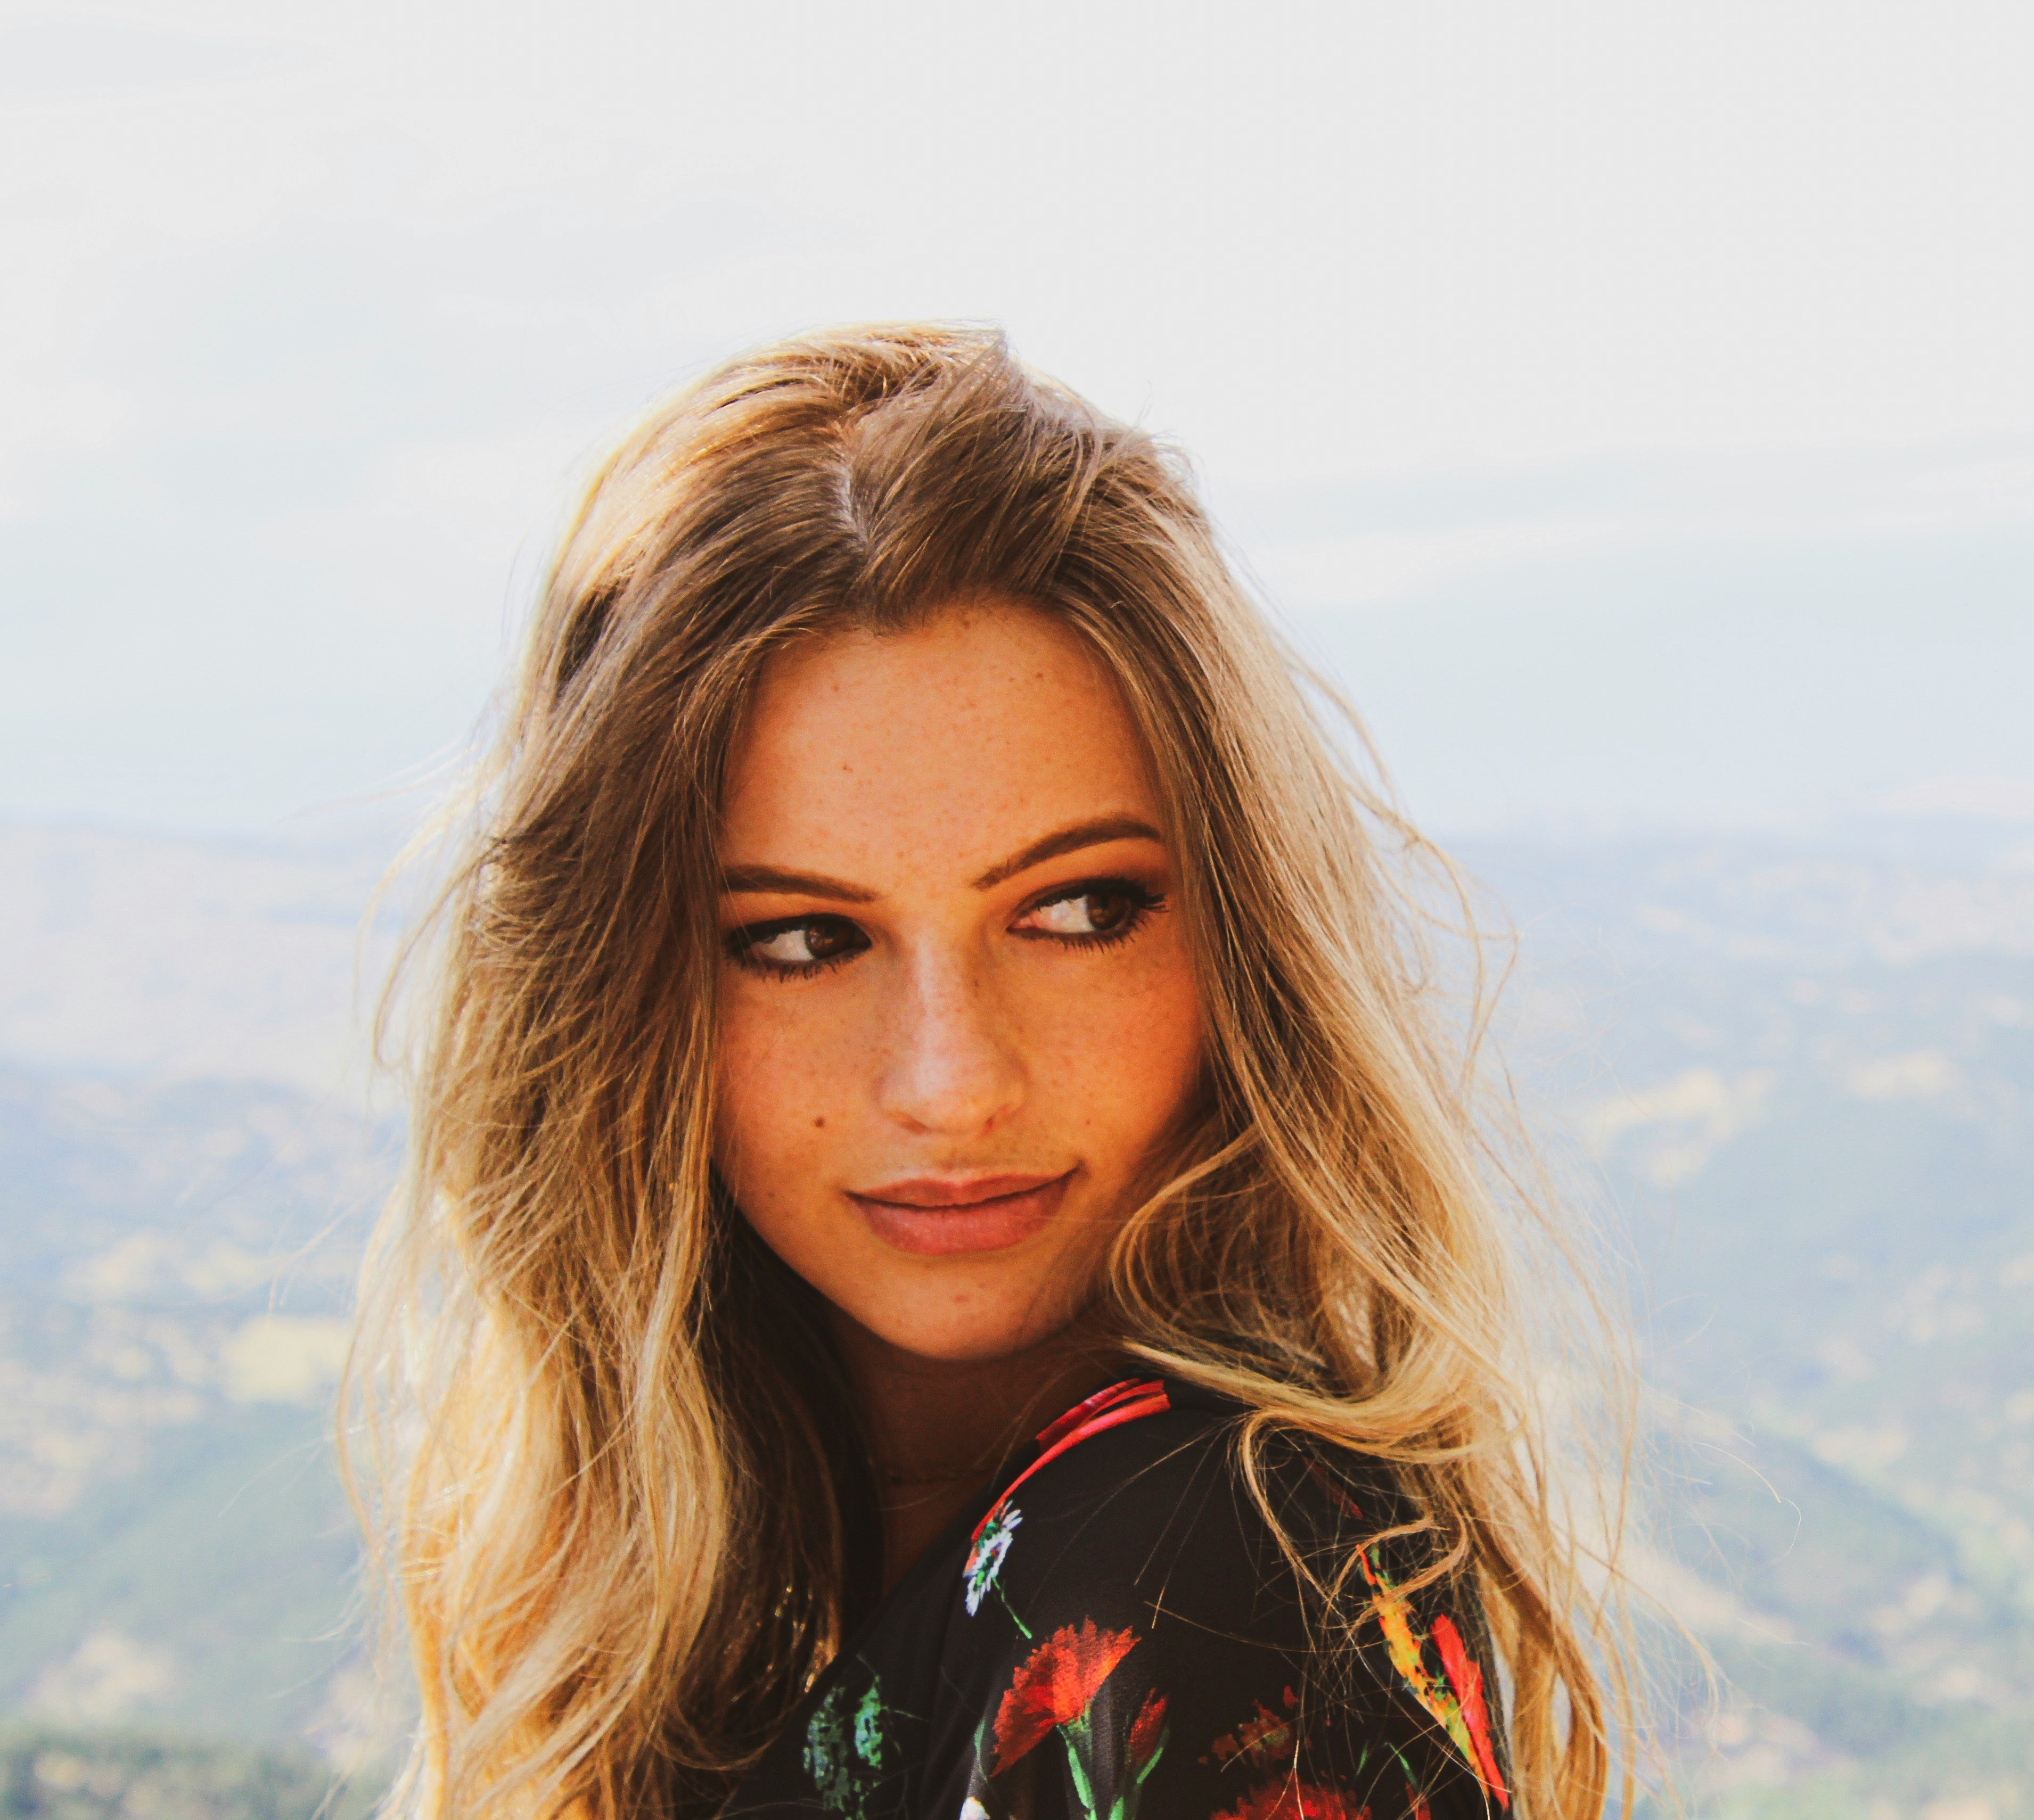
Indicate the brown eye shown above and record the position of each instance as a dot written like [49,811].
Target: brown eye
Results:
[1106,908]
[790,947]
[831,936]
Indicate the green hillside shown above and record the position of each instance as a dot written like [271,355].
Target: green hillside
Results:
[176,1549]
[59,1775]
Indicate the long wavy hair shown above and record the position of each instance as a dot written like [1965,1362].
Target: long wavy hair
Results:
[616,1482]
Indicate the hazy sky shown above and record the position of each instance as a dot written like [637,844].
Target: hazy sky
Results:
[1635,404]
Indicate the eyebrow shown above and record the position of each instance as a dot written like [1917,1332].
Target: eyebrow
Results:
[1096,832]
[793,884]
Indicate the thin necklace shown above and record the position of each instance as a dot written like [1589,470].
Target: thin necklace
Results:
[905,1479]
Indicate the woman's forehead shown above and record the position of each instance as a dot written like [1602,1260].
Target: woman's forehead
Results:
[954,741]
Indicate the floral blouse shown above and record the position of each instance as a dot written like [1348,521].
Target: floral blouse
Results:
[1113,1631]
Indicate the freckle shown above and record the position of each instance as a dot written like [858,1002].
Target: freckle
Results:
[817,1123]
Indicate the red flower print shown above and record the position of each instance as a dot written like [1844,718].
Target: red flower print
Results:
[1261,1740]
[1289,1798]
[1054,1686]
[1336,1496]
[1145,1730]
[1466,1677]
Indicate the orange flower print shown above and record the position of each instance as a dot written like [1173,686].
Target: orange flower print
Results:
[1289,1798]
[1263,1740]
[1466,1677]
[1054,1686]
[1445,1700]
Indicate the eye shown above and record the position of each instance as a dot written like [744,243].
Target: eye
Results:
[1093,912]
[796,945]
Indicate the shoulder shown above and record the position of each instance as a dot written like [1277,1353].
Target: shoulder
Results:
[1183,1453]
[1171,1509]
[1257,1608]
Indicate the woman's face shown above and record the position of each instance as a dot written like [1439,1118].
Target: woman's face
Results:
[957,1009]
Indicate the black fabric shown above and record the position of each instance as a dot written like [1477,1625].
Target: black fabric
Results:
[1120,1634]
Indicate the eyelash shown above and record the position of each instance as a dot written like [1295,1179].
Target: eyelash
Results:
[742,943]
[1144,904]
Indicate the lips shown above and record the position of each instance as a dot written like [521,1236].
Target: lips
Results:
[936,1216]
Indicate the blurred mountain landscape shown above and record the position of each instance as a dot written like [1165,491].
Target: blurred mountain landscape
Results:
[189,1160]
[1798,1069]
[1803,1071]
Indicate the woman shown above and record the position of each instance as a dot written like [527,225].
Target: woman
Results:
[949,1269]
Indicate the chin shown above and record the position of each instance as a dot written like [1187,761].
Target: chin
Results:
[964,1336]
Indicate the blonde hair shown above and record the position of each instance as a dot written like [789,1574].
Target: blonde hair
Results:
[620,1487]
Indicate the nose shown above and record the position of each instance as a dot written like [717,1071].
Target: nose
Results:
[950,1069]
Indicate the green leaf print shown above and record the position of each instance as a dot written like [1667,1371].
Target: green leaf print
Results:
[844,1749]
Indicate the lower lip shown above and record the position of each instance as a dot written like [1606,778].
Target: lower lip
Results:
[979,1226]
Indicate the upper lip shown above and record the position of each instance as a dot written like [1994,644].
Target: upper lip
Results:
[955,1190]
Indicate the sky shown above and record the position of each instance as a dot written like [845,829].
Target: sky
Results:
[1632,407]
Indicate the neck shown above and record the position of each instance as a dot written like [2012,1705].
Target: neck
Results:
[940,1429]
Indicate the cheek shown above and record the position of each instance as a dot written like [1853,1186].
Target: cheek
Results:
[772,1080]
[1125,1054]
